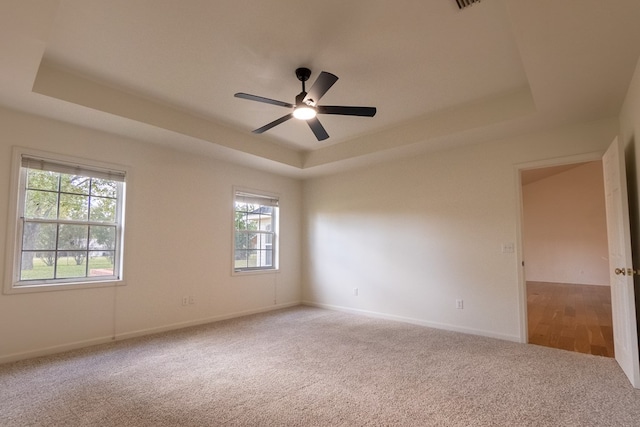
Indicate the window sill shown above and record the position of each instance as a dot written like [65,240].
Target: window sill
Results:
[253,272]
[48,287]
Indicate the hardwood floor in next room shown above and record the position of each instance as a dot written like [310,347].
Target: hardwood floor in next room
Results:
[570,317]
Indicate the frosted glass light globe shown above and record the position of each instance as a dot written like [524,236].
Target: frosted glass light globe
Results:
[304,113]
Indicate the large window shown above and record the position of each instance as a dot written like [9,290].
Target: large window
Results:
[69,224]
[256,232]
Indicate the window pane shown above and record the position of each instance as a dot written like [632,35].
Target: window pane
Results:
[42,180]
[104,188]
[73,237]
[266,258]
[241,220]
[39,236]
[74,207]
[265,222]
[241,259]
[41,204]
[47,258]
[252,240]
[71,264]
[253,222]
[37,266]
[74,184]
[102,237]
[103,210]
[259,241]
[243,207]
[252,258]
[242,241]
[101,263]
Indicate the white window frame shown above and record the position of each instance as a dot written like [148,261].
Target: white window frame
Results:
[12,282]
[269,198]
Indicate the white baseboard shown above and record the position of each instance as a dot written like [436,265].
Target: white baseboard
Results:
[133,334]
[45,351]
[181,325]
[204,321]
[420,322]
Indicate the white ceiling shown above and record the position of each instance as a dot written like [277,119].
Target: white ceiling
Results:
[165,71]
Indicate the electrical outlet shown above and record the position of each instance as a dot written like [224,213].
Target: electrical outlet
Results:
[508,248]
[192,299]
[355,292]
[459,304]
[185,300]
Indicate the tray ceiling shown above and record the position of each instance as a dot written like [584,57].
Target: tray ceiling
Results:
[166,71]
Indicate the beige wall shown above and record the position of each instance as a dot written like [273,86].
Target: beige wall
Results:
[414,235]
[411,235]
[565,227]
[178,242]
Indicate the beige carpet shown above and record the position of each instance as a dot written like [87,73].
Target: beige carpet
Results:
[311,367]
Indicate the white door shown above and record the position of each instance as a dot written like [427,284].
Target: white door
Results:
[620,264]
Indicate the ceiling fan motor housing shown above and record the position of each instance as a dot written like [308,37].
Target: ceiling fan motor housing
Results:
[303,74]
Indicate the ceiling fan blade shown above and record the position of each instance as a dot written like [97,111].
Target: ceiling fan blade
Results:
[322,84]
[273,123]
[347,111]
[263,99]
[318,129]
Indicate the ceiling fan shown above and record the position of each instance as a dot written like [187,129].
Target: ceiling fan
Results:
[306,106]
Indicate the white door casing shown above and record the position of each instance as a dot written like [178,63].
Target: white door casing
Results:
[620,260]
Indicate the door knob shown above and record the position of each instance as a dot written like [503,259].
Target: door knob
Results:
[626,271]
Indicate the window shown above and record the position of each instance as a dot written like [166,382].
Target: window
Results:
[69,224]
[256,232]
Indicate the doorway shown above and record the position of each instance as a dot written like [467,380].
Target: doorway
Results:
[565,258]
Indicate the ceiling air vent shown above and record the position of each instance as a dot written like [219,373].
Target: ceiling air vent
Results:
[465,3]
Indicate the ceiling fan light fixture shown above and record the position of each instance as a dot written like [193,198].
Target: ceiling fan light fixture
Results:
[304,112]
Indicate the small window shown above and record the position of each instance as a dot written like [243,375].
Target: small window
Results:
[69,224]
[256,226]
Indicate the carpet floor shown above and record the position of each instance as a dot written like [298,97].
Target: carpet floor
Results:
[312,367]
